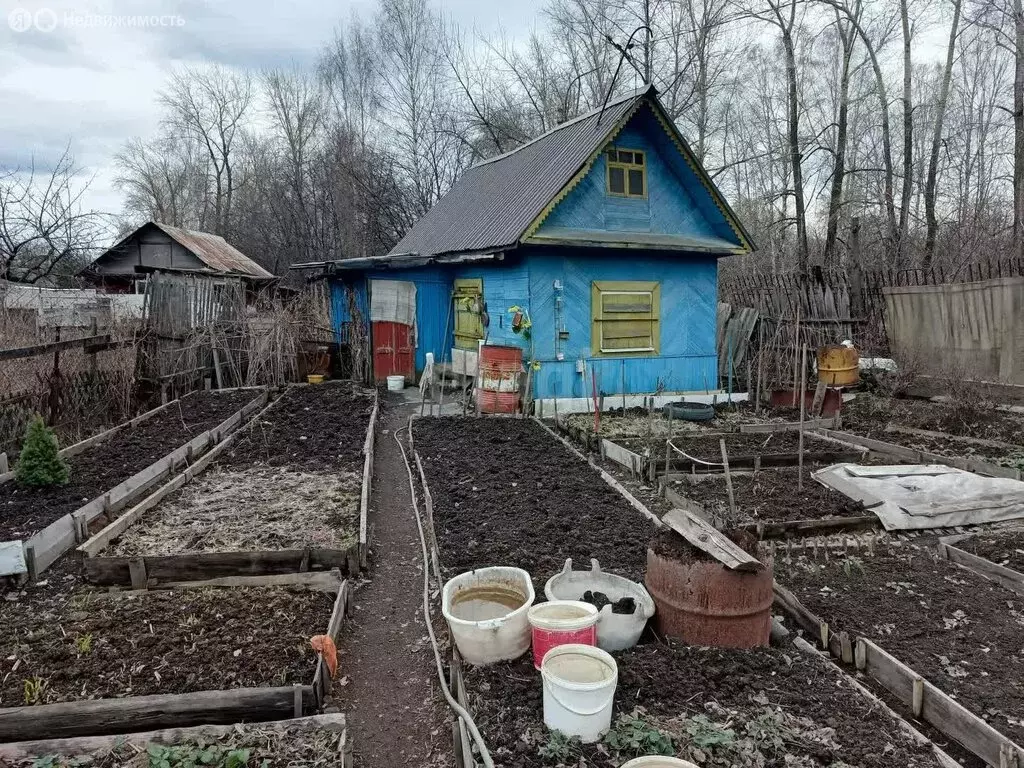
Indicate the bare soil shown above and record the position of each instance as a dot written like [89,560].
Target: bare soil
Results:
[771,495]
[507,493]
[763,707]
[957,629]
[870,414]
[312,428]
[25,511]
[738,445]
[58,648]
[1002,548]
[257,509]
[267,746]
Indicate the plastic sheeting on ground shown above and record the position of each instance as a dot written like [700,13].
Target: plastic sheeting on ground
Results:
[12,558]
[914,496]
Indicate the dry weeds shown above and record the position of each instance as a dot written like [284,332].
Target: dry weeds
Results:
[259,509]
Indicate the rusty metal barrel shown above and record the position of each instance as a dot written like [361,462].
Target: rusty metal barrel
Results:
[838,366]
[701,602]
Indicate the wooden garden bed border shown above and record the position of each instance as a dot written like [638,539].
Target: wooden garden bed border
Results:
[920,457]
[27,750]
[89,442]
[782,529]
[1006,577]
[97,717]
[367,488]
[151,570]
[927,702]
[44,547]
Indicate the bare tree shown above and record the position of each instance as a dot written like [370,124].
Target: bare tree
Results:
[44,229]
[210,105]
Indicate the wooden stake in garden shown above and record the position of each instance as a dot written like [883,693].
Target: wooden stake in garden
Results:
[728,480]
[803,414]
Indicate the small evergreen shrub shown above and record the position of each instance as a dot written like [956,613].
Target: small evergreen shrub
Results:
[40,464]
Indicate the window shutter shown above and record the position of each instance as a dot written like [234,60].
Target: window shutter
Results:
[625,318]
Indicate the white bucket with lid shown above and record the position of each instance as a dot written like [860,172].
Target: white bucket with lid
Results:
[486,611]
[579,690]
[657,761]
[396,383]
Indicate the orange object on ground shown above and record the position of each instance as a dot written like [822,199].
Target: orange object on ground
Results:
[324,645]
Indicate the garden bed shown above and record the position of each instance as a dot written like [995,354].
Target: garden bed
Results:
[105,464]
[770,495]
[310,741]
[871,415]
[93,663]
[762,707]
[1005,548]
[959,631]
[506,492]
[299,511]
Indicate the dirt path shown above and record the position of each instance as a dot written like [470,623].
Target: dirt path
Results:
[385,651]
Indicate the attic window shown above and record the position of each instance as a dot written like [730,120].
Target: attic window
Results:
[627,173]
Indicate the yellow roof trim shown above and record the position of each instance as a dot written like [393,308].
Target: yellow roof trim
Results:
[684,150]
[575,180]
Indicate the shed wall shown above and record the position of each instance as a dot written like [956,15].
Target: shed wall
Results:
[688,360]
[153,248]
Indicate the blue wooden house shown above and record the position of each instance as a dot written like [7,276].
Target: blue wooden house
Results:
[603,234]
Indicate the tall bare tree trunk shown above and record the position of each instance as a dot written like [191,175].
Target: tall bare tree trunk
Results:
[835,201]
[1018,130]
[908,138]
[931,181]
[794,140]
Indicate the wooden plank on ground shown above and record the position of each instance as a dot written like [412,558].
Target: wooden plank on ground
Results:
[787,426]
[84,745]
[137,713]
[622,456]
[701,535]
[1007,577]
[367,486]
[937,709]
[114,571]
[312,581]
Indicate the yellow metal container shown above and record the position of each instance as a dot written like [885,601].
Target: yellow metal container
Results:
[838,366]
[315,378]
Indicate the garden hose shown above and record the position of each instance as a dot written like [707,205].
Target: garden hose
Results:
[459,710]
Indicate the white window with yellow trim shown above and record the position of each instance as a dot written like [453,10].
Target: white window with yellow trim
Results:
[625,318]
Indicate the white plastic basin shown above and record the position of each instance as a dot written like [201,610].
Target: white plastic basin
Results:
[486,611]
[615,631]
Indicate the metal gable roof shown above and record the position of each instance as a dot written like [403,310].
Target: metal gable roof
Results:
[215,252]
[494,202]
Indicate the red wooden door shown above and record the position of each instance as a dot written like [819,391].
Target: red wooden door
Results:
[393,351]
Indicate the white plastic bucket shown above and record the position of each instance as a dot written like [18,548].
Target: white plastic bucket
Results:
[579,690]
[615,631]
[478,606]
[396,383]
[657,761]
[561,622]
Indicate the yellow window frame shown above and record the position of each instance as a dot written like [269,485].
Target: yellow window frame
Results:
[626,313]
[626,168]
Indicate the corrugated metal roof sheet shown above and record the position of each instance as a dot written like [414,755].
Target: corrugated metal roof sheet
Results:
[215,252]
[493,203]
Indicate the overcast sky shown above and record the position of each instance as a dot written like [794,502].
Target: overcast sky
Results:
[66,78]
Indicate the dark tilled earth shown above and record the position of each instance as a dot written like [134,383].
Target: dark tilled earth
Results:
[871,414]
[717,690]
[957,629]
[1002,548]
[772,495]
[315,427]
[58,648]
[24,511]
[507,493]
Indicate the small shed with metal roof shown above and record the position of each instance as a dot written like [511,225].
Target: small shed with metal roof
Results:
[156,246]
[594,248]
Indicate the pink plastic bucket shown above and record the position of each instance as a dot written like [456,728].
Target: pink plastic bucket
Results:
[561,622]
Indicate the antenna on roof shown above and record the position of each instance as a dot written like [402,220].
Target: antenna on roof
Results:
[623,56]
